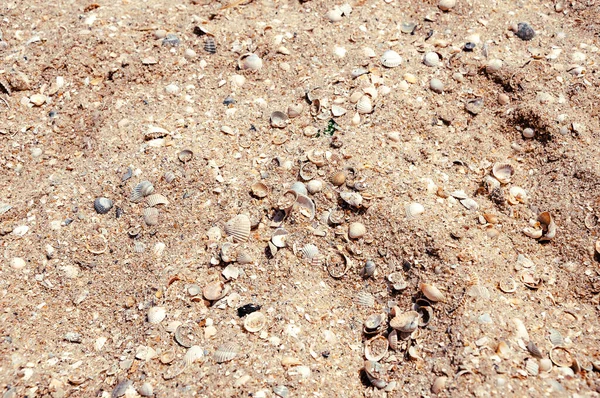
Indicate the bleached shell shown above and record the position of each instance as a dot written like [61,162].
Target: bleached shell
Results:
[295,110]
[279,119]
[150,215]
[534,233]
[459,194]
[397,280]
[503,172]
[439,384]
[431,59]
[156,314]
[334,15]
[214,291]
[250,61]
[185,155]
[391,59]
[364,105]
[337,110]
[356,230]
[432,292]
[172,326]
[376,348]
[556,338]
[373,322]
[469,203]
[155,132]
[239,228]
[145,353]
[406,322]
[281,391]
[314,186]
[309,251]
[156,199]
[414,210]
[228,252]
[226,353]
[255,322]
[306,206]
[561,357]
[139,247]
[193,354]
[393,340]
[146,390]
[317,157]
[308,171]
[279,238]
[365,299]
[158,249]
[141,190]
[169,176]
[352,198]
[103,205]
[244,257]
[490,183]
[508,285]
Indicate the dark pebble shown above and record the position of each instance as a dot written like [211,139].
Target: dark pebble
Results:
[247,309]
[228,101]
[469,46]
[524,31]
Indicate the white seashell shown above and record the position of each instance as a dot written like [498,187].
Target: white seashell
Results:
[446,5]
[308,171]
[364,105]
[432,292]
[346,9]
[103,205]
[459,194]
[281,391]
[532,232]
[369,52]
[141,190]
[159,249]
[279,119]
[413,210]
[355,119]
[406,322]
[356,230]
[172,326]
[156,199]
[311,253]
[255,322]
[145,353]
[376,348]
[146,390]
[314,186]
[493,66]
[545,365]
[226,352]
[185,155]
[391,59]
[352,198]
[215,291]
[469,203]
[334,15]
[237,80]
[337,110]
[517,195]
[503,172]
[279,238]
[370,90]
[139,247]
[228,252]
[156,314]
[491,183]
[306,206]
[250,61]
[355,96]
[295,110]
[431,59]
[561,357]
[193,354]
[365,299]
[169,176]
[299,188]
[150,215]
[17,263]
[239,228]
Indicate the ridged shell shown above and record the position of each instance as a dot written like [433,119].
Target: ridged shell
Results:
[306,206]
[356,230]
[311,253]
[432,292]
[503,172]
[376,348]
[156,314]
[139,247]
[169,176]
[226,353]
[279,119]
[250,61]
[336,216]
[102,205]
[281,391]
[556,338]
[193,354]
[534,350]
[259,189]
[156,199]
[255,322]
[391,59]
[413,210]
[239,228]
[364,299]
[210,46]
[364,105]
[150,216]
[406,322]
[141,190]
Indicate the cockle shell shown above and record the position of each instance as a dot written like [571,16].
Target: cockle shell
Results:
[103,205]
[432,292]
[317,157]
[150,215]
[239,228]
[503,172]
[141,190]
[250,62]
[413,210]
[244,257]
[376,348]
[365,299]
[406,322]
[193,354]
[146,390]
[306,206]
[156,199]
[311,253]
[255,322]
[169,176]
[226,352]
[156,314]
[364,105]
[391,59]
[215,291]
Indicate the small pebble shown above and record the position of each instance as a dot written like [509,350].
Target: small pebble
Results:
[528,133]
[190,54]
[446,5]
[160,34]
[524,31]
[436,86]
[503,99]
[172,89]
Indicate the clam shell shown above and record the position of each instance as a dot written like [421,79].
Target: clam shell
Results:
[239,228]
[172,326]
[308,171]
[295,110]
[169,176]
[534,350]
[250,62]
[459,194]
[182,336]
[406,322]
[503,172]
[508,285]
[469,203]
[279,119]
[432,292]
[414,210]
[364,299]
[226,352]
[561,357]
[300,188]
[374,322]
[150,215]
[336,216]
[185,156]
[393,340]
[532,367]
[314,186]
[102,205]
[391,59]
[490,183]
[373,371]
[279,238]
[255,322]
[215,291]
[306,206]
[517,195]
[281,391]
[356,230]
[193,354]
[534,233]
[156,199]
[364,105]
[352,198]
[426,314]
[156,314]
[259,190]
[338,264]
[376,348]
[556,338]
[141,190]
[287,200]
[337,110]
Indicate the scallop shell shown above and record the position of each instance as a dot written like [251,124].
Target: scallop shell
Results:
[279,238]
[250,62]
[311,253]
[102,205]
[141,190]
[556,338]
[503,172]
[308,171]
[255,322]
[391,59]
[364,105]
[156,314]
[193,354]
[150,216]
[365,299]
[215,291]
[306,206]
[239,228]
[259,190]
[338,264]
[156,199]
[279,119]
[295,110]
[414,210]
[281,391]
[406,322]
[561,357]
[432,292]
[226,353]
[376,348]
[169,176]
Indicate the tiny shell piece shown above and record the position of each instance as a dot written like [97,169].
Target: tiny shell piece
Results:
[146,390]
[365,299]
[156,199]
[210,46]
[432,292]
[156,314]
[391,59]
[225,353]
[556,338]
[414,210]
[150,216]
[239,228]
[255,322]
[250,62]
[281,391]
[169,176]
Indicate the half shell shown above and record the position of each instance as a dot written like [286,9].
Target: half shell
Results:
[295,110]
[406,322]
[103,205]
[255,322]
[250,61]
[306,206]
[185,156]
[150,216]
[287,200]
[311,253]
[141,190]
[156,314]
[391,59]
[376,348]
[226,353]
[279,238]
[215,291]
[193,354]
[397,281]
[156,199]
[432,292]
[259,190]
[279,119]
[354,199]
[239,228]
[503,172]
[561,357]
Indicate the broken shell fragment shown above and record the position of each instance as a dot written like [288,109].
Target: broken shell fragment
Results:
[226,353]
[156,314]
[406,322]
[255,322]
[250,62]
[373,371]
[306,206]
[103,205]
[397,281]
[376,348]
[287,200]
[259,190]
[548,226]
[365,299]
[215,291]
[439,384]
[317,157]
[156,199]
[182,335]
[308,171]
[391,59]
[150,215]
[279,119]
[432,292]
[508,285]
[295,110]
[279,238]
[239,228]
[503,172]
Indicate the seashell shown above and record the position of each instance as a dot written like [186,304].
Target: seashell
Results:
[376,348]
[226,352]
[156,199]
[308,171]
[469,204]
[459,194]
[338,178]
[406,322]
[354,199]
[508,285]
[397,280]
[272,249]
[244,257]
[210,45]
[393,340]
[259,190]
[591,221]
[391,59]
[306,206]
[446,5]
[364,105]
[439,384]
[503,350]
[156,314]
[545,365]
[279,237]
[414,210]
[239,228]
[517,195]
[311,253]
[314,186]
[337,110]
[228,252]
[532,367]
[281,391]
[336,216]
[317,157]
[215,291]
[431,59]
[356,230]
[413,353]
[431,292]
[255,322]
[556,338]
[372,370]
[287,200]
[101,205]
[174,371]
[474,105]
[141,190]
[159,249]
[534,350]
[374,322]
[490,183]
[534,233]
[315,107]
[279,119]
[185,156]
[172,326]
[548,226]
[490,218]
[561,357]
[369,269]
[300,188]
[150,215]
[169,176]
[139,247]
[295,110]
[334,15]
[576,70]
[337,264]
[364,299]
[503,172]
[250,62]
[146,390]
[155,132]
[193,354]
[426,315]
[167,356]
[531,281]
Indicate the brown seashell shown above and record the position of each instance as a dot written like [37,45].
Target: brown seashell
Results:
[259,190]
[490,218]
[406,322]
[432,292]
[338,178]
[239,228]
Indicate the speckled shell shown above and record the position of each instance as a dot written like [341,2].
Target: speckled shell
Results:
[239,228]
[250,61]
[156,314]
[141,190]
[103,205]
[391,59]
[226,353]
[150,216]
[193,354]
